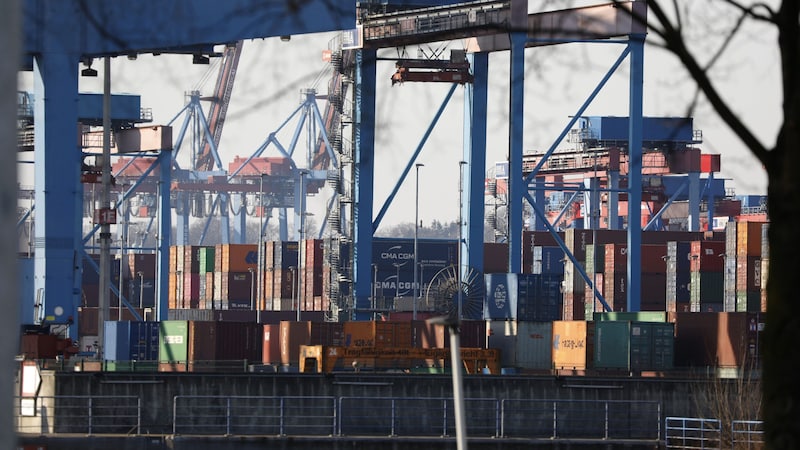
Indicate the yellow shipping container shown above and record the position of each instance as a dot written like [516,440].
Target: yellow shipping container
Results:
[573,344]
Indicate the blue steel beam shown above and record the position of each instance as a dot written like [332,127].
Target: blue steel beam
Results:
[475,118]
[364,175]
[666,205]
[515,141]
[635,174]
[94,28]
[540,214]
[164,217]
[578,114]
[376,223]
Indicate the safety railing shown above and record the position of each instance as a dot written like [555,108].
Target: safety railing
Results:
[250,415]
[747,434]
[699,433]
[78,414]
[579,419]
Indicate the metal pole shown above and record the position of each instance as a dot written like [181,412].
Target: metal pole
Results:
[260,252]
[105,206]
[416,237]
[141,288]
[252,288]
[461,165]
[453,325]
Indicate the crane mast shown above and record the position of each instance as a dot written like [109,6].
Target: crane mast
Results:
[219,104]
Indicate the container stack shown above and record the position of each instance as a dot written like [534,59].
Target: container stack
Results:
[729,280]
[678,277]
[748,266]
[764,265]
[706,275]
[235,276]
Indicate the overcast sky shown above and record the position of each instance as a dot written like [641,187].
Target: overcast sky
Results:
[272,74]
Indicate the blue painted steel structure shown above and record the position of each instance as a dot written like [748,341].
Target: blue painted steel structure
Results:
[109,28]
[58,35]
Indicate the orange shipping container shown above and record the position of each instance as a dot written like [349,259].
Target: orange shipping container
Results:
[572,344]
[238,257]
[293,335]
[377,334]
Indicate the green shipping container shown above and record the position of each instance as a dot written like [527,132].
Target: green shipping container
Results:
[642,316]
[633,346]
[206,255]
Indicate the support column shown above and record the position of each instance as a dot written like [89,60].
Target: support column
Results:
[694,201]
[58,191]
[635,174]
[364,173]
[164,220]
[515,135]
[475,156]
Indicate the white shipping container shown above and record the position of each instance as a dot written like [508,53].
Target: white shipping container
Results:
[502,335]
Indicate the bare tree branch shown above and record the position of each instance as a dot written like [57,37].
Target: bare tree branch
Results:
[751,12]
[675,43]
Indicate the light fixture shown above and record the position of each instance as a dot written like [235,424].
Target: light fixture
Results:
[132,56]
[286,38]
[198,58]
[88,71]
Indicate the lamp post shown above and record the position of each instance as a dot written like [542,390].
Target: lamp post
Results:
[294,296]
[252,288]
[416,237]
[453,325]
[141,288]
[260,252]
[461,165]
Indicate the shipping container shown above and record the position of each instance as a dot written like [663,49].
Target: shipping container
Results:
[286,254]
[724,339]
[530,297]
[706,288]
[377,334]
[433,254]
[633,346]
[707,256]
[207,343]
[271,347]
[534,345]
[573,344]
[292,336]
[748,238]
[206,255]
[642,316]
[495,257]
[130,341]
[502,335]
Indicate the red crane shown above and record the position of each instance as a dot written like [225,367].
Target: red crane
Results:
[219,104]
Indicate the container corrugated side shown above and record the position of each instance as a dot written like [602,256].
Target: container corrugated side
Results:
[534,346]
[572,344]
[502,335]
[612,345]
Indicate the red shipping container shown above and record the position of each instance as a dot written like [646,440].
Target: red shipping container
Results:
[314,253]
[748,274]
[707,256]
[709,163]
[271,347]
[748,238]
[495,258]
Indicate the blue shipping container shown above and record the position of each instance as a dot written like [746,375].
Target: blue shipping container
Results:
[654,129]
[434,254]
[525,297]
[542,299]
[502,292]
[130,341]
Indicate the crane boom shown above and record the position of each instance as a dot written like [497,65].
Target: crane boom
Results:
[219,104]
